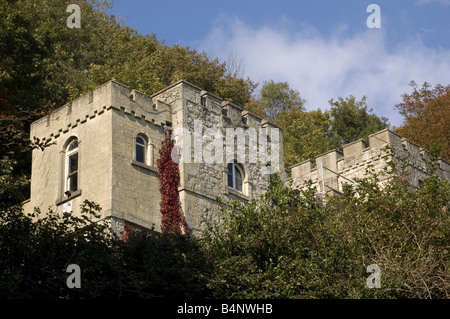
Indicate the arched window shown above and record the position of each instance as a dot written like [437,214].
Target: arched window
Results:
[71,179]
[235,177]
[141,149]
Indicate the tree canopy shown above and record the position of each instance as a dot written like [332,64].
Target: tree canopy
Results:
[44,64]
[292,244]
[276,97]
[352,120]
[427,117]
[307,134]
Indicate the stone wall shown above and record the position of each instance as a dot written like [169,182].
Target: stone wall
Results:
[135,195]
[87,118]
[359,157]
[106,122]
[196,111]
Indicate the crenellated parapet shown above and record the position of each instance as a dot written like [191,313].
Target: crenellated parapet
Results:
[202,105]
[334,168]
[203,120]
[111,95]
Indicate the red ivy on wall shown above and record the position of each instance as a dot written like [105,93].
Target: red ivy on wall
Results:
[172,220]
[127,230]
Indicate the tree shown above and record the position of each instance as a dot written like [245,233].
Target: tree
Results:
[276,97]
[172,217]
[352,120]
[308,134]
[23,95]
[427,117]
[305,134]
[35,254]
[290,244]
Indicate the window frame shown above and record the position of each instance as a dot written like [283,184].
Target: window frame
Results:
[144,146]
[68,176]
[149,162]
[235,167]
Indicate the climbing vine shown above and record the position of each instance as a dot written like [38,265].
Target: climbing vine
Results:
[127,231]
[172,219]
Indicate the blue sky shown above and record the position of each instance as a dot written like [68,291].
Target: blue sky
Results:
[323,48]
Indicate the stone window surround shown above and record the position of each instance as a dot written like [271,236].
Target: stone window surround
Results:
[149,151]
[65,198]
[246,184]
[233,192]
[64,195]
[235,167]
[144,166]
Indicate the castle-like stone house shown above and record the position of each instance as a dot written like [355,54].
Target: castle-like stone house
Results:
[106,144]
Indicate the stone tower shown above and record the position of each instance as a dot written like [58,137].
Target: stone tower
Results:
[106,144]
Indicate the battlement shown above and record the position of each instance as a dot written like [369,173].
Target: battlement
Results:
[196,112]
[356,157]
[202,104]
[111,95]
[156,109]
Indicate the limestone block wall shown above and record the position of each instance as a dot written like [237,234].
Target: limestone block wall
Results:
[135,195]
[202,182]
[135,185]
[106,122]
[358,157]
[88,119]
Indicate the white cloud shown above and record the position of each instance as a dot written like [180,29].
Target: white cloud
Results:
[321,68]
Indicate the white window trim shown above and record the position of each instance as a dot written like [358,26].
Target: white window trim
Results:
[66,172]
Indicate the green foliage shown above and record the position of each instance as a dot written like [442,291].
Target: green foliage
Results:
[352,120]
[305,134]
[13,189]
[295,245]
[168,266]
[35,253]
[308,134]
[276,97]
[67,62]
